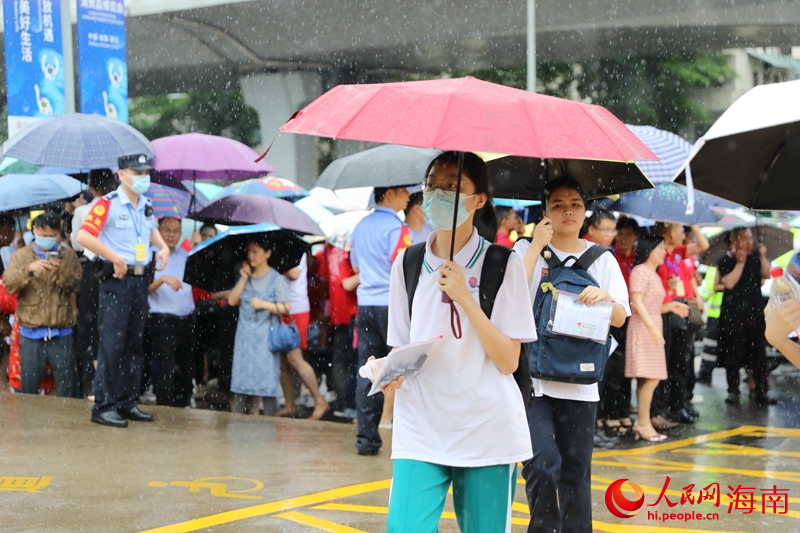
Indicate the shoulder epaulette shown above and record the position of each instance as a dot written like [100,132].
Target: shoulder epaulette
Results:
[110,196]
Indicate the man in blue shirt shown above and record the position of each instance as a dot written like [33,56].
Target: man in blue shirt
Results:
[374,245]
[170,326]
[120,228]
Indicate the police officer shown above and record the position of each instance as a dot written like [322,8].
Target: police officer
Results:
[120,228]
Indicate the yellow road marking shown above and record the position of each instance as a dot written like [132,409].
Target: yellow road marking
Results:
[692,467]
[626,528]
[319,523]
[270,508]
[671,445]
[720,448]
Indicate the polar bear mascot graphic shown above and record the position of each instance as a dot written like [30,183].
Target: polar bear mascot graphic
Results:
[49,91]
[115,97]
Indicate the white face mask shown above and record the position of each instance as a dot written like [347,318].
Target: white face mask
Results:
[439,206]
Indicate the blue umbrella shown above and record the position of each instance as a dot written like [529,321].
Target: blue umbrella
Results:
[212,264]
[168,202]
[18,191]
[59,170]
[77,141]
[666,202]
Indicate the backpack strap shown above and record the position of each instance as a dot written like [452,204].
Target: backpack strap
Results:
[492,275]
[591,255]
[412,266]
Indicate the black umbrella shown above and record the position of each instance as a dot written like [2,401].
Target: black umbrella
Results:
[214,264]
[777,240]
[524,178]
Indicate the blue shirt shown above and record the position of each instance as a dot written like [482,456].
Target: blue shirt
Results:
[120,226]
[165,299]
[372,245]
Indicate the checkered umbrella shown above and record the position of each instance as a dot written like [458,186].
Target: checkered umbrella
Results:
[168,202]
[77,141]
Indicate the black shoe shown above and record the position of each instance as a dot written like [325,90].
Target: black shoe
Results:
[135,414]
[763,399]
[368,451]
[682,416]
[601,440]
[705,379]
[732,399]
[109,418]
[692,412]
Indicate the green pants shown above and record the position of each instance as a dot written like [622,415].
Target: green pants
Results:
[482,497]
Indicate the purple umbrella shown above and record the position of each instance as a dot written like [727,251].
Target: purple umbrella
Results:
[196,156]
[241,210]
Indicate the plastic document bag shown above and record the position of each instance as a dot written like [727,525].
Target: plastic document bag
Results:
[403,361]
[568,317]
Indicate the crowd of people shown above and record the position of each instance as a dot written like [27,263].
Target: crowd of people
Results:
[95,305]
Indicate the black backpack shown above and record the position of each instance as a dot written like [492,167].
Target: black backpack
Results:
[492,275]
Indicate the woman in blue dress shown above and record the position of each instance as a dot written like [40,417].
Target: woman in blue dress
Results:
[262,295]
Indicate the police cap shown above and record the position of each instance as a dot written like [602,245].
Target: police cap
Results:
[134,162]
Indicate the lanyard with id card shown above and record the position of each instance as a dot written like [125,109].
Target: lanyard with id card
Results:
[680,289]
[140,248]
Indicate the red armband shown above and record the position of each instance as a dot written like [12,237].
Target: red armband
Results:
[403,242]
[96,219]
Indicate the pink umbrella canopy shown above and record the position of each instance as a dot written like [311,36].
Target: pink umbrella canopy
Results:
[469,115]
[197,156]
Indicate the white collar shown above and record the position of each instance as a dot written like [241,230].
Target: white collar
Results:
[465,258]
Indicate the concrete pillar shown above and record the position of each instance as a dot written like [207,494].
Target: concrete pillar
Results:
[276,97]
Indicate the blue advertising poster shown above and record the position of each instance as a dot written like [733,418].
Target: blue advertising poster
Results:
[34,61]
[102,65]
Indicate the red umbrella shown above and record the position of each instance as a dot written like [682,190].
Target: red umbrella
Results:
[469,115]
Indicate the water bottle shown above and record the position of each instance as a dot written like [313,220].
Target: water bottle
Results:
[783,287]
[370,370]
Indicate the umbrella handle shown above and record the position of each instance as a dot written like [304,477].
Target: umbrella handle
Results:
[455,208]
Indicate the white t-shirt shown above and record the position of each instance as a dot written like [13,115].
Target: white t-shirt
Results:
[78,216]
[607,273]
[460,410]
[298,290]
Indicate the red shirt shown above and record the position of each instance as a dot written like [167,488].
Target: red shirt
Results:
[503,240]
[625,263]
[336,267]
[675,265]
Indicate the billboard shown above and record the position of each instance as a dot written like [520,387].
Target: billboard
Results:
[34,61]
[102,58]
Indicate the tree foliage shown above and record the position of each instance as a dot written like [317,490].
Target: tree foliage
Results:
[653,91]
[220,113]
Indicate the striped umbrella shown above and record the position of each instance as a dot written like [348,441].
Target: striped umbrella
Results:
[672,151]
[169,202]
[271,186]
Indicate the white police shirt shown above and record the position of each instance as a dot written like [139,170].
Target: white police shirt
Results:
[460,410]
[607,273]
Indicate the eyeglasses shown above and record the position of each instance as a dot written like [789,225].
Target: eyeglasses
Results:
[607,231]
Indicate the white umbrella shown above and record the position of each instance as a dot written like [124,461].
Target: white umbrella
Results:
[339,201]
[751,154]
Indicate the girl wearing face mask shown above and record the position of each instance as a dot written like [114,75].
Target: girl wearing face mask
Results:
[461,421]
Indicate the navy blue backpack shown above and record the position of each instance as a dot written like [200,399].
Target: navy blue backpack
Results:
[556,357]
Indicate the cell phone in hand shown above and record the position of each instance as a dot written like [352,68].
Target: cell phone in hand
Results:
[51,255]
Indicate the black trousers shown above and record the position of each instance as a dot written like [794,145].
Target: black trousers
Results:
[558,477]
[373,326]
[671,394]
[172,342]
[344,365]
[121,318]
[742,342]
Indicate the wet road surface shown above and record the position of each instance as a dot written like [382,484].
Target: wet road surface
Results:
[197,470]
